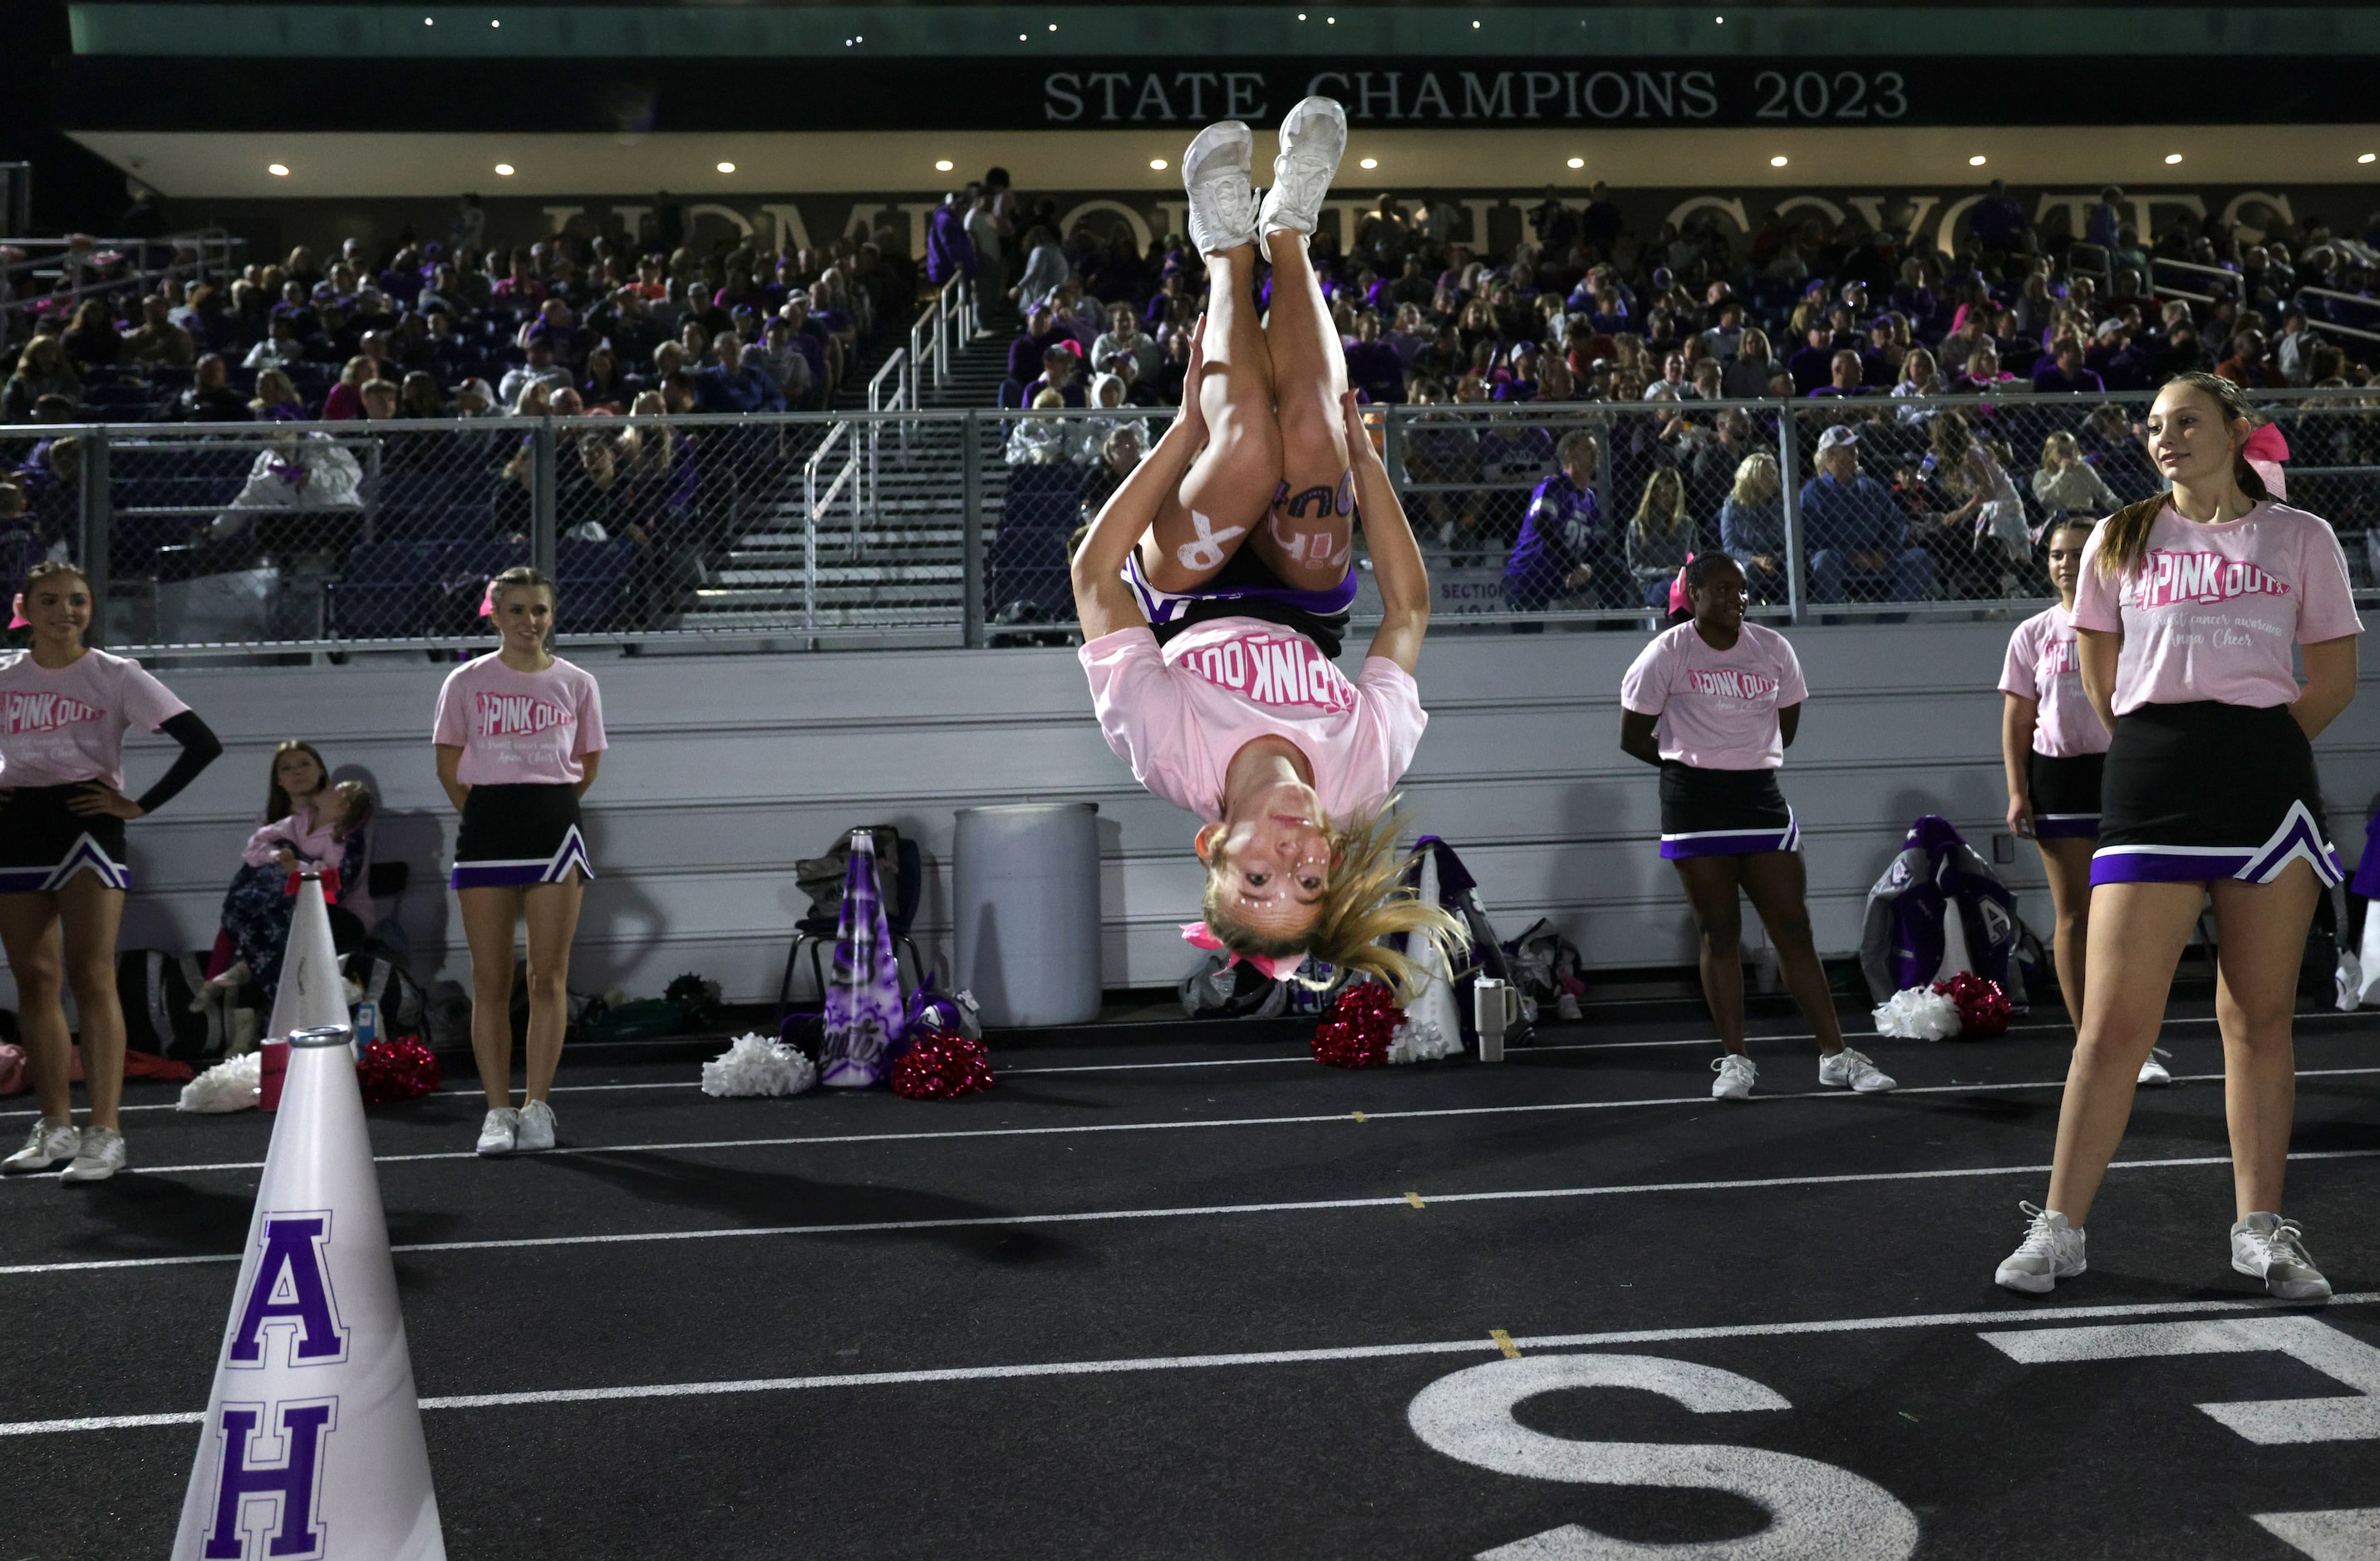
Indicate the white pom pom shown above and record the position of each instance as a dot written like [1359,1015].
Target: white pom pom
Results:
[754,1066]
[1918,1013]
[228,1086]
[1421,1039]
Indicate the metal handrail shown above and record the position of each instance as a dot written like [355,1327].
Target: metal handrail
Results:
[137,278]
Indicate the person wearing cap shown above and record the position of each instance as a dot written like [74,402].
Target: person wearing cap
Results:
[473,399]
[1041,333]
[540,369]
[1854,531]
[1060,373]
[1813,364]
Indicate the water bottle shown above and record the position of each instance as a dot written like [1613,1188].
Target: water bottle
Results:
[366,1025]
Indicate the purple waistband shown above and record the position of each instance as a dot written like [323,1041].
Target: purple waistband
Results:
[1163,606]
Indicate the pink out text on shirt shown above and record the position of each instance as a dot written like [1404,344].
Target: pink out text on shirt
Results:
[500,715]
[1273,671]
[2170,576]
[1731,683]
[44,712]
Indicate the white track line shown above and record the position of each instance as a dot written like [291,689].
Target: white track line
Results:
[1520,1055]
[1203,1211]
[1303,1119]
[1483,1345]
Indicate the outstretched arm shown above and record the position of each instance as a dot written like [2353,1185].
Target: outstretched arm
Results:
[1104,604]
[1396,557]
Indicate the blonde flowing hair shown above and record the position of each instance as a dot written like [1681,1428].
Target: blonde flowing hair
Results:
[1366,900]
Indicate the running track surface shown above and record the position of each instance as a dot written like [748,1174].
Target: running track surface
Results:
[1207,1299]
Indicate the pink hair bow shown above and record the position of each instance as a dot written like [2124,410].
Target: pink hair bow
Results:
[1198,934]
[1681,599]
[2265,452]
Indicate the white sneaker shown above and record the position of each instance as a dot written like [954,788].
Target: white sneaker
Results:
[1313,138]
[1215,176]
[498,1132]
[1736,1073]
[2051,1250]
[48,1143]
[102,1154]
[2269,1248]
[1852,1069]
[535,1129]
[2153,1072]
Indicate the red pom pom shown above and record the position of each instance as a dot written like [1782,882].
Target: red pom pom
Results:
[399,1069]
[1983,1007]
[1355,1032]
[940,1065]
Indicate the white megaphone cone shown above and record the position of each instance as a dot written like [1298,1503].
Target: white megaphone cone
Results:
[312,1446]
[1434,1005]
[312,993]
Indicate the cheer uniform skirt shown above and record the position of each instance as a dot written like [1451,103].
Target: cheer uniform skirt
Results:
[2206,790]
[44,842]
[2065,795]
[1723,812]
[1246,587]
[516,836]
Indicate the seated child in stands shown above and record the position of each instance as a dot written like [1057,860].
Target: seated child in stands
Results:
[313,824]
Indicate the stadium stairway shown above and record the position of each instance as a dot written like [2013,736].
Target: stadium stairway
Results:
[901,565]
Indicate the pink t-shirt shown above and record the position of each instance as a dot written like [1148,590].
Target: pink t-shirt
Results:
[520,728]
[1177,714]
[58,728]
[2211,611]
[2043,667]
[1718,708]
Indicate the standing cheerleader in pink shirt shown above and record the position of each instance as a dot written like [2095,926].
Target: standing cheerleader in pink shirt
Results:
[1213,591]
[519,734]
[1715,702]
[2188,611]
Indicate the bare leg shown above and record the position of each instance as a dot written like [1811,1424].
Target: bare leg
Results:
[489,916]
[29,927]
[1235,476]
[1711,892]
[1306,536]
[2137,935]
[2067,865]
[89,913]
[1778,884]
[2261,933]
[553,913]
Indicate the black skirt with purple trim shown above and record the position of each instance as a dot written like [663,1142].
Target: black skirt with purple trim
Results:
[514,836]
[2065,795]
[44,842]
[1724,813]
[2206,790]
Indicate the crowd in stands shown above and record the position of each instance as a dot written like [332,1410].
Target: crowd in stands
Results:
[1848,324]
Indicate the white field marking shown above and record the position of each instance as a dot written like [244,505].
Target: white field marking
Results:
[1520,1053]
[1300,1119]
[1198,1211]
[1471,1346]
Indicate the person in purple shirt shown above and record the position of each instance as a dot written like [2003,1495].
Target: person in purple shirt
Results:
[1562,547]
[1997,219]
[1041,333]
[1813,364]
[1845,373]
[1373,366]
[732,385]
[949,252]
[2062,371]
[1521,385]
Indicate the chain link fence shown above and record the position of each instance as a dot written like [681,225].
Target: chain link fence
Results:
[811,531]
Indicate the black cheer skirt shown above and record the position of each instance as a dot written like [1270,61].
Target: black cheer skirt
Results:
[519,834]
[44,842]
[2065,795]
[1723,812]
[1246,587]
[2201,791]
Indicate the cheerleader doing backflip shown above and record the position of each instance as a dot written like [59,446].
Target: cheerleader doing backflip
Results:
[2187,610]
[64,711]
[1213,590]
[1715,702]
[519,734]
[2055,747]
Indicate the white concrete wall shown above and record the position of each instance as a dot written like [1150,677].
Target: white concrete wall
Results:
[727,769]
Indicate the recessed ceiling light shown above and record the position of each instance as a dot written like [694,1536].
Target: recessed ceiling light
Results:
[2369,157]
[1976,161]
[944,165]
[1053,27]
[1720,20]
[1474,25]
[495,24]
[2171,158]
[1157,162]
[429,22]
[1777,161]
[504,170]
[728,168]
[1578,162]
[278,170]
[1369,163]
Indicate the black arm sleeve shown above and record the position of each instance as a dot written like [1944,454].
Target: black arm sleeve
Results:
[201,748]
